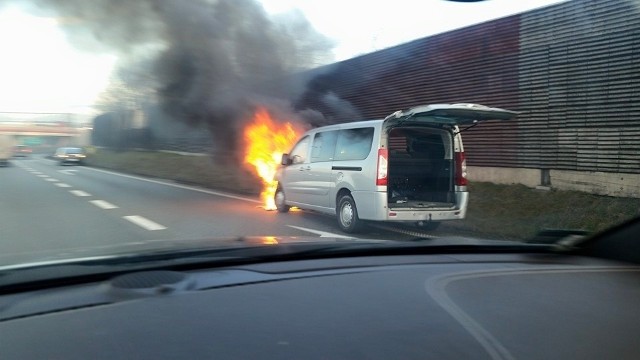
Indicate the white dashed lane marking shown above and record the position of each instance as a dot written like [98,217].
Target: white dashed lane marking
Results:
[103,204]
[79,193]
[144,222]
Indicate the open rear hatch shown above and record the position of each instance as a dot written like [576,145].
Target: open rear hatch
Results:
[449,114]
[420,141]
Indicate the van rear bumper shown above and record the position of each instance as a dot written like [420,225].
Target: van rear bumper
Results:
[373,206]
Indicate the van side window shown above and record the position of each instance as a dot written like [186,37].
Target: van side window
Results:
[354,144]
[324,145]
[299,152]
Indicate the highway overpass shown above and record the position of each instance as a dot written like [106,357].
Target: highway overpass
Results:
[45,136]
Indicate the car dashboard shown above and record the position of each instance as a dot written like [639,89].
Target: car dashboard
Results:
[442,306]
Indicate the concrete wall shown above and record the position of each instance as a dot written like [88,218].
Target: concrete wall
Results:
[601,183]
[506,176]
[594,182]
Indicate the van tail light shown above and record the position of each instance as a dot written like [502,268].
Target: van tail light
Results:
[383,156]
[461,169]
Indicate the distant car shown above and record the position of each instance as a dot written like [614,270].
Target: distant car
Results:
[21,151]
[70,155]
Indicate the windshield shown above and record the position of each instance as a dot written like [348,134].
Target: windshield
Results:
[213,120]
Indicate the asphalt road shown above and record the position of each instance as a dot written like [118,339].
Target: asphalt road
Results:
[49,211]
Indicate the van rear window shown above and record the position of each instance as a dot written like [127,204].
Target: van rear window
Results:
[419,144]
[354,144]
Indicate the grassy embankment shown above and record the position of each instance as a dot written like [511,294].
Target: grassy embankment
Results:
[495,211]
[186,169]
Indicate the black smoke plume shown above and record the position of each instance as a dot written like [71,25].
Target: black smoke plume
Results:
[207,62]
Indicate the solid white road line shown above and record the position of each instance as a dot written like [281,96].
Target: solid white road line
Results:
[62,185]
[144,222]
[67,172]
[52,179]
[43,176]
[103,204]
[321,233]
[79,193]
[210,192]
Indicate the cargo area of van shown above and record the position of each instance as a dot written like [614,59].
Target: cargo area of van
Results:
[421,168]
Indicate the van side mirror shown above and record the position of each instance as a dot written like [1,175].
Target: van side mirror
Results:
[285,160]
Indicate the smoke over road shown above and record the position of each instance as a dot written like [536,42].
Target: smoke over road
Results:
[207,62]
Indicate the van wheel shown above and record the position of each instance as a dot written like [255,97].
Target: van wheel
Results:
[279,199]
[348,219]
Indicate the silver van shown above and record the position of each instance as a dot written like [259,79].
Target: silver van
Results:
[409,167]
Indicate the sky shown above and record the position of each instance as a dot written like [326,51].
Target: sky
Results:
[362,26]
[41,72]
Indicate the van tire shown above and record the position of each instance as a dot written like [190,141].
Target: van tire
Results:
[280,199]
[347,215]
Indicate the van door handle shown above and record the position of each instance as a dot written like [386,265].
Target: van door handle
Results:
[303,168]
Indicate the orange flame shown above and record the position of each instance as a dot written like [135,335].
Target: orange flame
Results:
[265,142]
